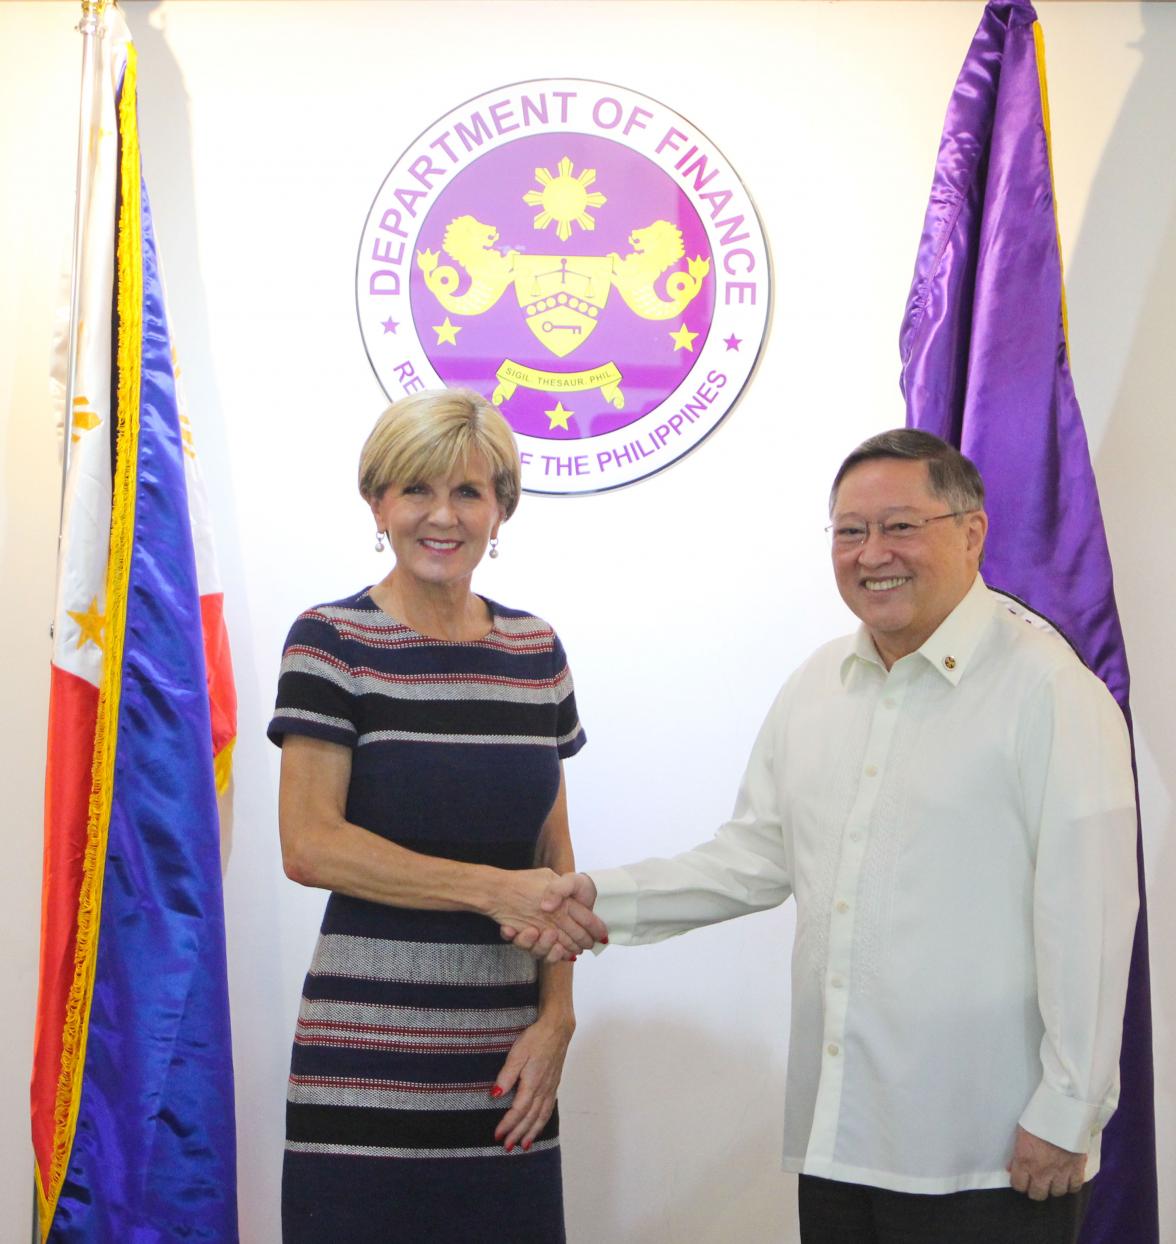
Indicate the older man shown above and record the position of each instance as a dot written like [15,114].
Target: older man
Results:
[948,794]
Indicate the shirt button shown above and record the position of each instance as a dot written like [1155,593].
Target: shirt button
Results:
[837,982]
[842,906]
[871,770]
[855,835]
[833,1048]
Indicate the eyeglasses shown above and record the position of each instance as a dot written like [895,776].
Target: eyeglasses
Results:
[852,535]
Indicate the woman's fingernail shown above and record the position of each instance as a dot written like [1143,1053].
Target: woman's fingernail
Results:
[510,1147]
[526,1144]
[604,941]
[496,1091]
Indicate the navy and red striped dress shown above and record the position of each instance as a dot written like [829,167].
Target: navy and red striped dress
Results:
[407,1016]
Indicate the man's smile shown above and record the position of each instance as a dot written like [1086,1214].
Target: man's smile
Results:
[884,585]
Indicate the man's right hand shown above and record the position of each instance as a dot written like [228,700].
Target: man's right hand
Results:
[568,902]
[1041,1170]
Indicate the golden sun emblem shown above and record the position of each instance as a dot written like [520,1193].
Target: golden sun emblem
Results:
[564,199]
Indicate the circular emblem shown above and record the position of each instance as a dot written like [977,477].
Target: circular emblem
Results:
[582,256]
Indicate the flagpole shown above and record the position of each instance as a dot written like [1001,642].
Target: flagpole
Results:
[88,28]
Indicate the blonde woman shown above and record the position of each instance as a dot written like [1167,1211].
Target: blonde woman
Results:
[423,730]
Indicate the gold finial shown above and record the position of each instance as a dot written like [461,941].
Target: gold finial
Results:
[92,11]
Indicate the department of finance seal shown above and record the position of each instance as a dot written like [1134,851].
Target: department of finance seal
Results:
[582,256]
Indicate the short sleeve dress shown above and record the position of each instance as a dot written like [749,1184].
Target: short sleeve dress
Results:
[407,1016]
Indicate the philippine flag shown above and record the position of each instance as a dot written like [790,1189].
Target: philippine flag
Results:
[132,1089]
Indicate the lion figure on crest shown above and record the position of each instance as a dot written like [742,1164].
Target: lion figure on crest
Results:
[655,248]
[471,244]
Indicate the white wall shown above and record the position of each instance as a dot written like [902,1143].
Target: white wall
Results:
[684,600]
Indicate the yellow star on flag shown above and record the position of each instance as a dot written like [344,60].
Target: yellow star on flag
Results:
[83,419]
[447,333]
[683,338]
[559,417]
[91,624]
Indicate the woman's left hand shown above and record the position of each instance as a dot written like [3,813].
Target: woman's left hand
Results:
[532,1068]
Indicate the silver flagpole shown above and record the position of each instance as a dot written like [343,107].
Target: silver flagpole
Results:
[88,27]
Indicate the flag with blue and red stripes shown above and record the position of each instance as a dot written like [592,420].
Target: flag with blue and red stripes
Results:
[132,1087]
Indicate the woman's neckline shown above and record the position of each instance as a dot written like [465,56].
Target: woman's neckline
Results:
[435,639]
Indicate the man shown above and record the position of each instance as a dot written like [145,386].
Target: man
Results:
[948,794]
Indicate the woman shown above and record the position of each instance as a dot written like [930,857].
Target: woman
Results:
[423,730]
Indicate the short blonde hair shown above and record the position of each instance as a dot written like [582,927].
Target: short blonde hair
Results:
[428,434]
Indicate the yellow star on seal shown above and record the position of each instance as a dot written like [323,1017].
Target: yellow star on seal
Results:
[559,417]
[683,338]
[91,624]
[447,333]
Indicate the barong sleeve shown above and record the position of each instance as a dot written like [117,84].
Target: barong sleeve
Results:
[1077,776]
[745,867]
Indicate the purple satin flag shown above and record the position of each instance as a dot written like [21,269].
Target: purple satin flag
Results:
[985,365]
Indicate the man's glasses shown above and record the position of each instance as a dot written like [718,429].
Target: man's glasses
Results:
[852,534]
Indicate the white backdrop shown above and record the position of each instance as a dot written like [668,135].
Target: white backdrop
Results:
[684,600]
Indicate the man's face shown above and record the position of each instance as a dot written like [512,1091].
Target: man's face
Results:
[903,589]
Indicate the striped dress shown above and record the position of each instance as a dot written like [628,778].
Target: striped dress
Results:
[407,1016]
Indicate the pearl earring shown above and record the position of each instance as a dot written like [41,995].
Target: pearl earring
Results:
[493,546]
[379,541]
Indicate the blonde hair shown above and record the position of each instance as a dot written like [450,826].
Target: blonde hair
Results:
[428,434]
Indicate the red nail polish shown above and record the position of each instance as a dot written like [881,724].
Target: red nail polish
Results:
[604,941]
[526,1144]
[510,1147]
[496,1091]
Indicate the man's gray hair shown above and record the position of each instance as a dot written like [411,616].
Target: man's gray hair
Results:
[951,477]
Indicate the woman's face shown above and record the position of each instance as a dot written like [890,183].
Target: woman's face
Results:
[439,527]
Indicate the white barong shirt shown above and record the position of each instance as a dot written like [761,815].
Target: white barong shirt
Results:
[959,834]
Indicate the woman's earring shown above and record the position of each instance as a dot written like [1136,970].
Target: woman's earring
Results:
[379,541]
[493,546]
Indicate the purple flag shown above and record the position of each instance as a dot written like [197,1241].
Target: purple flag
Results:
[985,365]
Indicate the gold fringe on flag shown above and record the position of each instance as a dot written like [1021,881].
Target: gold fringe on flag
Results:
[1039,49]
[129,305]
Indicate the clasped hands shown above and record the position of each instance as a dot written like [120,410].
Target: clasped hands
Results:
[551,915]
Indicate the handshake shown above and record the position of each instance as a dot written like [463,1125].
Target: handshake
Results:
[549,915]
